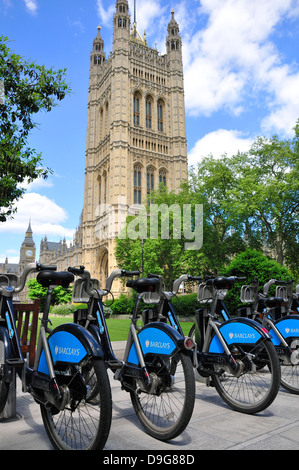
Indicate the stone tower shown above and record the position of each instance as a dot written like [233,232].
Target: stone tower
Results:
[27,250]
[27,255]
[136,132]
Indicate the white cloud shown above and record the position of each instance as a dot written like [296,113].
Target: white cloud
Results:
[217,144]
[31,6]
[233,57]
[45,215]
[105,14]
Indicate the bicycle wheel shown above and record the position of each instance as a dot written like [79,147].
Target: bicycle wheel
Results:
[257,385]
[4,386]
[4,389]
[290,368]
[166,410]
[84,423]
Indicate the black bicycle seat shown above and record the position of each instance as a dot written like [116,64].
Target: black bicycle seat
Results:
[143,284]
[221,282]
[272,302]
[49,278]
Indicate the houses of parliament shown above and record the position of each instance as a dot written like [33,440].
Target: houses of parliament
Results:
[136,139]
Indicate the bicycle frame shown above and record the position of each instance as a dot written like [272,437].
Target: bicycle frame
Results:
[41,380]
[218,337]
[283,328]
[157,338]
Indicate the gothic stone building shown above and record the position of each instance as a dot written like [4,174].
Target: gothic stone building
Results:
[136,138]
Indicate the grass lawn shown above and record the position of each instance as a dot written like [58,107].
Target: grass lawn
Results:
[118,328]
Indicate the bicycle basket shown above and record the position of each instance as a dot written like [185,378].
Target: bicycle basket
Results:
[151,297]
[205,293]
[248,294]
[79,293]
[281,291]
[9,279]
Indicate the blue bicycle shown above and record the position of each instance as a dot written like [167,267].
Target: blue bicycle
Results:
[68,367]
[235,355]
[276,313]
[156,369]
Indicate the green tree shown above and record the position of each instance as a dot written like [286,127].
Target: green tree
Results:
[164,256]
[211,184]
[254,265]
[60,294]
[26,89]
[266,196]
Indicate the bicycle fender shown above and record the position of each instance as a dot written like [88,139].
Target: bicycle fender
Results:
[238,331]
[156,338]
[70,343]
[5,353]
[287,327]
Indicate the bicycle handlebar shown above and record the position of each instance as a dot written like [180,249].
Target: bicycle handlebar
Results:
[22,278]
[183,278]
[81,272]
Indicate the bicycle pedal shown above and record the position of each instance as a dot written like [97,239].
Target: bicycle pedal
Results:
[15,362]
[115,364]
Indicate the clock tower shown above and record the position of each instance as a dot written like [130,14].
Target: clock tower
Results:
[27,251]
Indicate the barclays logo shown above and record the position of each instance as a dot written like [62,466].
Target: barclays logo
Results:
[66,351]
[157,344]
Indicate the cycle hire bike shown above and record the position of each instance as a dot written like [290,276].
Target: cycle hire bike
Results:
[228,354]
[156,369]
[68,364]
[276,314]
[236,355]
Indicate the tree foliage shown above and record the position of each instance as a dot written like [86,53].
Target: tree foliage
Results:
[250,200]
[60,294]
[26,89]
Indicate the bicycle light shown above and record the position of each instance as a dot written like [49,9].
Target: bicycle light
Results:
[189,343]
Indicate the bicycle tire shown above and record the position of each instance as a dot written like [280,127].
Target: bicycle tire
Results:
[4,389]
[84,423]
[290,371]
[4,386]
[252,392]
[156,411]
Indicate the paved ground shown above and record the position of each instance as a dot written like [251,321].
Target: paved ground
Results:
[213,426]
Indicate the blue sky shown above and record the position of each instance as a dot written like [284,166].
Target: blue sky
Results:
[241,69]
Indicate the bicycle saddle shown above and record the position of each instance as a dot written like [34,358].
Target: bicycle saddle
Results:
[272,302]
[143,284]
[49,278]
[221,282]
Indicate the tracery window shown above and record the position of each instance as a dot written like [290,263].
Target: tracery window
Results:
[148,112]
[150,179]
[137,184]
[136,109]
[162,177]
[160,114]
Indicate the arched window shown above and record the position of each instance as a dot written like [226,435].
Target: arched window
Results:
[137,184]
[162,176]
[160,114]
[148,112]
[150,179]
[136,109]
[104,187]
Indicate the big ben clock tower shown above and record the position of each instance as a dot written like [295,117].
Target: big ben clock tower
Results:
[27,251]
[27,255]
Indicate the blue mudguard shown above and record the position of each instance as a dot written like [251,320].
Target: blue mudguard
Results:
[238,331]
[70,343]
[156,338]
[288,327]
